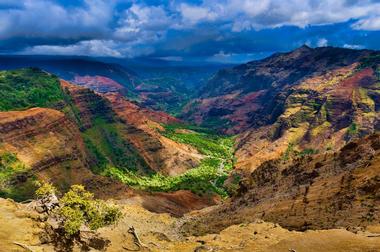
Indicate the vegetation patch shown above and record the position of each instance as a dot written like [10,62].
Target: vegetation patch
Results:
[27,88]
[207,178]
[292,152]
[15,181]
[108,148]
[204,140]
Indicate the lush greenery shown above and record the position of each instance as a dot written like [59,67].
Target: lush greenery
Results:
[204,140]
[208,177]
[78,207]
[15,181]
[108,147]
[26,88]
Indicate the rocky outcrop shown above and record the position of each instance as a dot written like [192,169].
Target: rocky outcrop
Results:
[23,229]
[140,128]
[321,191]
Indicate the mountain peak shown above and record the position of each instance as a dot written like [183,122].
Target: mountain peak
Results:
[303,48]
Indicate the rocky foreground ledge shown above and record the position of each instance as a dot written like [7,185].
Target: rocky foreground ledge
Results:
[24,229]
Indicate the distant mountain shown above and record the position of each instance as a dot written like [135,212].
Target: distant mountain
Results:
[155,83]
[309,100]
[68,67]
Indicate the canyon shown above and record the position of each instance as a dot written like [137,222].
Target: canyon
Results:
[278,154]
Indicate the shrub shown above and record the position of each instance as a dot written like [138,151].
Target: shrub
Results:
[45,190]
[78,208]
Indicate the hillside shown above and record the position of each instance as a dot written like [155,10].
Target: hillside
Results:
[253,94]
[308,100]
[71,67]
[155,85]
[78,136]
[320,191]
[291,139]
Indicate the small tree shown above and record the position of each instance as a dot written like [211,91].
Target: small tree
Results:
[78,208]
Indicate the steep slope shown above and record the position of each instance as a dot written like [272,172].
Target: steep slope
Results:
[253,94]
[80,139]
[308,100]
[320,191]
[46,144]
[143,130]
[322,113]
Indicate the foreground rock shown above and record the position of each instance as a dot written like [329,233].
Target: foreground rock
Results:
[23,230]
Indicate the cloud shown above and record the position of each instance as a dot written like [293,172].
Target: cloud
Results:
[322,42]
[195,14]
[369,24]
[179,28]
[82,48]
[260,14]
[171,58]
[47,19]
[143,23]
[353,46]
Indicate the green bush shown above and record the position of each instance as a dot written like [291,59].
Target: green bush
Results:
[45,190]
[78,207]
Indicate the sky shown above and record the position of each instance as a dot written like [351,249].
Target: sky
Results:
[179,30]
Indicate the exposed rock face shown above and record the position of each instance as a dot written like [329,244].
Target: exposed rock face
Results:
[47,142]
[321,113]
[160,153]
[98,83]
[308,99]
[253,94]
[89,104]
[141,128]
[51,147]
[331,190]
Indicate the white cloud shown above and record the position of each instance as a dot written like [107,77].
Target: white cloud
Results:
[353,46]
[195,14]
[43,18]
[369,24]
[259,14]
[171,58]
[90,48]
[143,23]
[322,42]
[135,28]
